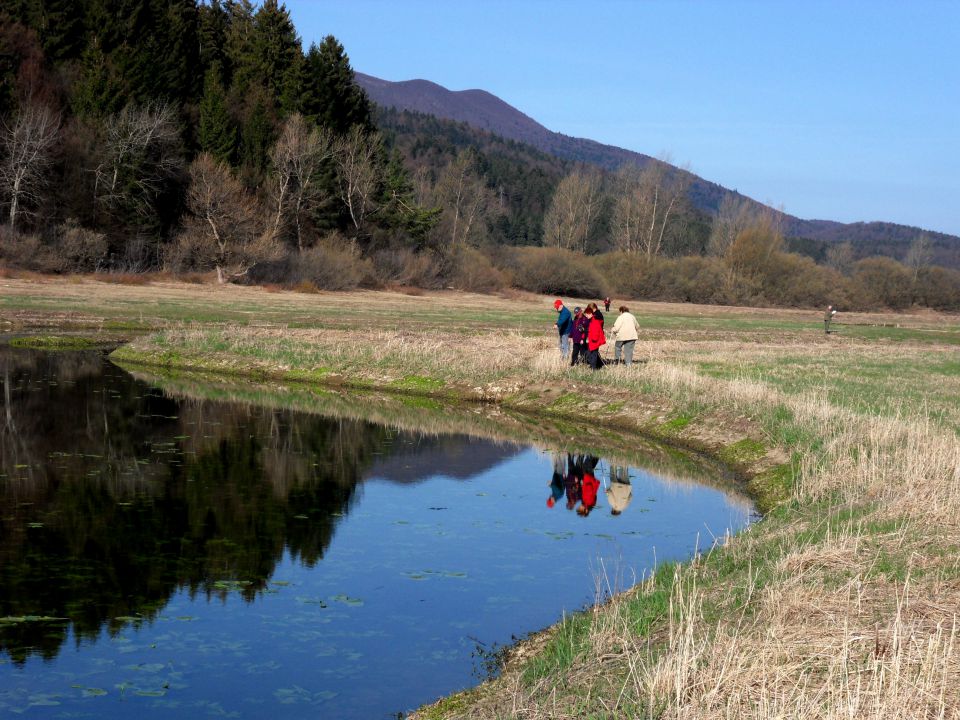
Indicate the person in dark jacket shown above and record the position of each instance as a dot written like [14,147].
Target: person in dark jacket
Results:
[578,336]
[564,325]
[606,304]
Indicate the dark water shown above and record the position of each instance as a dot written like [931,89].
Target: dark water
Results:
[184,558]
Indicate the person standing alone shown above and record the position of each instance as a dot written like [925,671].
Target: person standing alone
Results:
[827,317]
[564,325]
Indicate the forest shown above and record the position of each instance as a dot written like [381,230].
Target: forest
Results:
[202,140]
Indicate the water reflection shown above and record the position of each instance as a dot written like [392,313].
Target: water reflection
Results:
[201,556]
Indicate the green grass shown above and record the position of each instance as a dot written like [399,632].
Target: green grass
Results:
[54,342]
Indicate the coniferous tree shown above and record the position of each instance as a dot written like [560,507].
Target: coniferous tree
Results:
[212,23]
[61,29]
[257,137]
[217,133]
[276,50]
[399,208]
[97,91]
[331,97]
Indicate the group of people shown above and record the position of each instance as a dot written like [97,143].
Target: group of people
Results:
[576,479]
[584,331]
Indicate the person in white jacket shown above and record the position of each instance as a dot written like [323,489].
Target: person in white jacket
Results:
[626,329]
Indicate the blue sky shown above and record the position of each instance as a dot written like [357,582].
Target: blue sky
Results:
[836,110]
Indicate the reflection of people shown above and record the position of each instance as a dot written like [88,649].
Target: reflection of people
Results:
[564,323]
[619,493]
[626,328]
[827,317]
[589,486]
[572,480]
[556,482]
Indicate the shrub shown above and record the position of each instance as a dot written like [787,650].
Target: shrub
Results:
[882,282]
[26,251]
[471,270]
[79,249]
[553,271]
[401,266]
[332,264]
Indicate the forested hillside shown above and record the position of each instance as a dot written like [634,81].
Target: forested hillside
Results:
[204,139]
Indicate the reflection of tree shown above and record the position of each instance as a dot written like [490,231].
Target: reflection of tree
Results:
[114,496]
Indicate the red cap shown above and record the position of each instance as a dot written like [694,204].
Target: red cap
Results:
[557,303]
[550,501]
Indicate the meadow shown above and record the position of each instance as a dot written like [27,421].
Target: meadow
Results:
[842,602]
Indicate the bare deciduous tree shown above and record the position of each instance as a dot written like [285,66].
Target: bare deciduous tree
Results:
[573,211]
[140,154]
[355,155]
[224,229]
[647,202]
[840,257]
[734,216]
[298,157]
[919,255]
[28,143]
[462,192]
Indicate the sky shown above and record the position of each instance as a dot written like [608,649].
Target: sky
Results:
[841,110]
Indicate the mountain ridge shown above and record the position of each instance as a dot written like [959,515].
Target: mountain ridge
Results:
[482,110]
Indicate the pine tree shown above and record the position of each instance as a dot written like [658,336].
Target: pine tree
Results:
[212,22]
[61,29]
[399,208]
[331,97]
[276,48]
[217,133]
[257,137]
[97,91]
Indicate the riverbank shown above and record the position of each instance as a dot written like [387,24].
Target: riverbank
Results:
[842,601]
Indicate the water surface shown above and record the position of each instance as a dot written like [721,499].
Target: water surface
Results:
[162,556]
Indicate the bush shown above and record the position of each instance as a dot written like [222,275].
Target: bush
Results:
[797,281]
[631,275]
[331,265]
[552,271]
[79,249]
[401,266]
[471,270]
[882,282]
[26,251]
[698,280]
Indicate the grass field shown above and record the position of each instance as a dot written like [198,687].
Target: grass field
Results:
[842,602]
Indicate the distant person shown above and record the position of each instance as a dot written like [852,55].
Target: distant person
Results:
[620,492]
[595,339]
[590,486]
[578,337]
[827,317]
[606,304]
[626,329]
[564,325]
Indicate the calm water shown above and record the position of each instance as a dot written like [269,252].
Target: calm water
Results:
[179,558]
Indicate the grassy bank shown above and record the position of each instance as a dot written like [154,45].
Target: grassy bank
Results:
[842,602]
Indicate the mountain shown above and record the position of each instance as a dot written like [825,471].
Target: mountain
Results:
[485,111]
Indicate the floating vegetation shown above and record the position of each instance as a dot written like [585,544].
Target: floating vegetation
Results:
[54,342]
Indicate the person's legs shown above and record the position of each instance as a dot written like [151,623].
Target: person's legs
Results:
[564,345]
[617,346]
[593,357]
[577,354]
[628,351]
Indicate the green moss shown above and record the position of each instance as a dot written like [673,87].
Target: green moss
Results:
[418,382]
[567,402]
[675,425]
[772,487]
[53,342]
[742,452]
[317,374]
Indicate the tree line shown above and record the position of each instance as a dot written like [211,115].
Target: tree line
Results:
[144,135]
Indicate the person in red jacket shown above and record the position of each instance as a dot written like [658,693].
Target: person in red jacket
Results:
[595,339]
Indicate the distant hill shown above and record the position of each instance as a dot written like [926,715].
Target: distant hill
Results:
[484,111]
